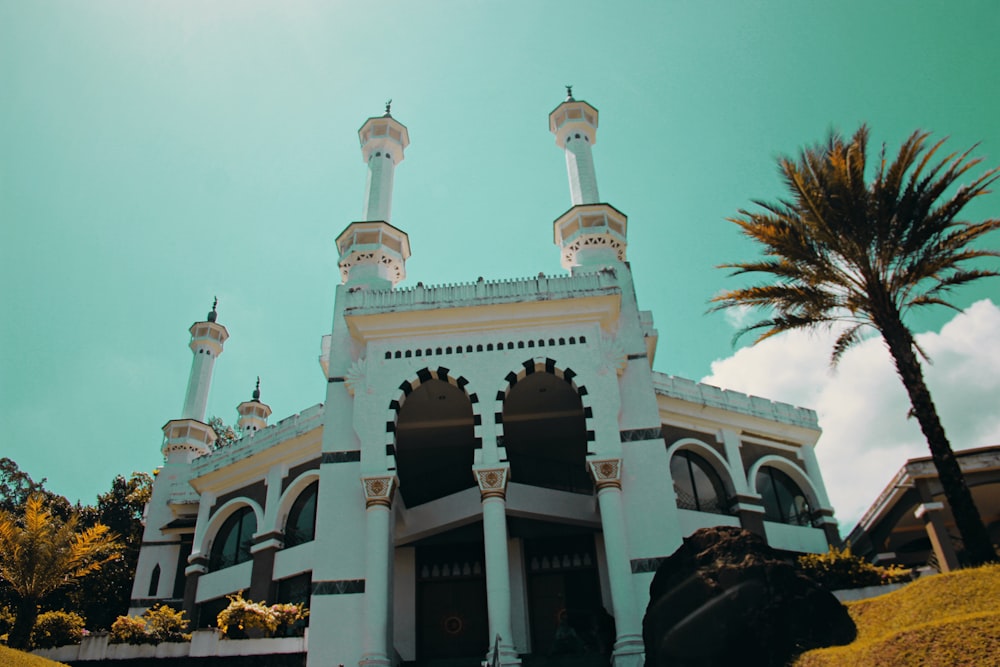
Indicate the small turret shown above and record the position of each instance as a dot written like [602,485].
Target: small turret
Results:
[253,413]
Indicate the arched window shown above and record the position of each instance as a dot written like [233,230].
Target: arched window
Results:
[232,542]
[784,501]
[301,524]
[697,485]
[154,581]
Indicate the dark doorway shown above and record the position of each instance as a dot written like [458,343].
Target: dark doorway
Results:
[569,625]
[452,619]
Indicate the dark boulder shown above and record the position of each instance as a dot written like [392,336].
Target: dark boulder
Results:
[726,598]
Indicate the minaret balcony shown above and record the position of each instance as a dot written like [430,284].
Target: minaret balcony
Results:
[187,436]
[590,226]
[208,336]
[572,117]
[377,244]
[384,135]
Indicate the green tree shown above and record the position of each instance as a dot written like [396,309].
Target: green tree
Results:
[16,485]
[841,251]
[104,595]
[40,553]
[226,434]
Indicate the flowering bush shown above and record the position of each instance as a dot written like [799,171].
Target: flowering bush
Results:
[244,615]
[839,568]
[159,624]
[130,630]
[290,616]
[57,628]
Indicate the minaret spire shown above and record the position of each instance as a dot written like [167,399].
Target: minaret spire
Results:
[383,140]
[189,437]
[373,253]
[207,340]
[575,126]
[591,234]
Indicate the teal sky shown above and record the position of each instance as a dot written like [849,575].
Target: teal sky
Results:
[155,154]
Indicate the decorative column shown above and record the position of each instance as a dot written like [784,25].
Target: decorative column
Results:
[379,490]
[492,480]
[629,647]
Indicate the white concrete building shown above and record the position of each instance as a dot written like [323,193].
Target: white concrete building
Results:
[495,467]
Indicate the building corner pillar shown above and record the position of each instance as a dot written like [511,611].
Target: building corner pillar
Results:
[932,515]
[379,490]
[629,650]
[492,481]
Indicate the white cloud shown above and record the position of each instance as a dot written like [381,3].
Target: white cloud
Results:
[862,405]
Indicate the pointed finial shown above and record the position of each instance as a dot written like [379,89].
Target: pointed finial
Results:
[569,94]
[388,105]
[213,315]
[256,391]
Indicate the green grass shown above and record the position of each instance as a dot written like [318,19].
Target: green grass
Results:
[947,619]
[11,658]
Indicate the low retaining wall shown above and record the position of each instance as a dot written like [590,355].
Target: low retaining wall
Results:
[205,647]
[855,594]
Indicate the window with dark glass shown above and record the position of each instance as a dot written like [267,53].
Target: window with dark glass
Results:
[301,524]
[233,541]
[697,485]
[784,501]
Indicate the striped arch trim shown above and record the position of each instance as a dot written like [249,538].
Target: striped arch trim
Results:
[543,365]
[409,386]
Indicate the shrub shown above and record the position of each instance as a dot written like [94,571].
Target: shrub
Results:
[839,568]
[130,630]
[6,622]
[166,624]
[242,616]
[159,624]
[57,628]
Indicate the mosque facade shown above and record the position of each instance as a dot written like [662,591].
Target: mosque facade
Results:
[496,470]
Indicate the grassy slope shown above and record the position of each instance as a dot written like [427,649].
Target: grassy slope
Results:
[11,658]
[948,619]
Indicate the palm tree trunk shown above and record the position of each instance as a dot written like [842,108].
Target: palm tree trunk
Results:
[978,547]
[26,612]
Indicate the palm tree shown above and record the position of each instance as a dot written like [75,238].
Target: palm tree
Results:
[41,554]
[842,252]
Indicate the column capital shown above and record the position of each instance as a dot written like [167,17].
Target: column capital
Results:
[606,472]
[379,490]
[492,480]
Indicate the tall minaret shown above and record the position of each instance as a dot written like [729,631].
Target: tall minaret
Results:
[207,339]
[253,413]
[591,234]
[373,253]
[189,437]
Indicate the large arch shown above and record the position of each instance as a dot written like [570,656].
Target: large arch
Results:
[218,522]
[291,493]
[794,472]
[716,464]
[433,436]
[546,426]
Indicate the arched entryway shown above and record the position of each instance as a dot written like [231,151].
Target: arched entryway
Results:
[435,440]
[545,433]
